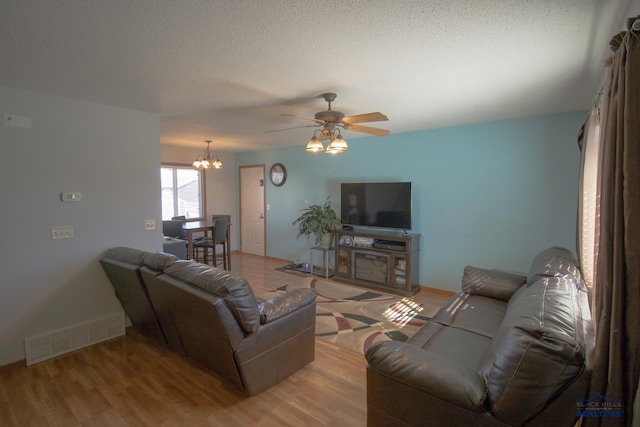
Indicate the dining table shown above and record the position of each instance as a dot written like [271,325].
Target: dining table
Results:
[191,227]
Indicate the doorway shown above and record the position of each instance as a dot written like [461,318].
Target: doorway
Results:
[252,224]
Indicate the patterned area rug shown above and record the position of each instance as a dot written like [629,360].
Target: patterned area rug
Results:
[354,318]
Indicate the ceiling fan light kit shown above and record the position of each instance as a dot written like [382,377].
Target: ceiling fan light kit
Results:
[314,145]
[331,121]
[207,161]
[337,144]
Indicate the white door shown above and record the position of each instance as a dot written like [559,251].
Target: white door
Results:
[252,230]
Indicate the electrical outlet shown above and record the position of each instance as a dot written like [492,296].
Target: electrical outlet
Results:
[149,224]
[62,232]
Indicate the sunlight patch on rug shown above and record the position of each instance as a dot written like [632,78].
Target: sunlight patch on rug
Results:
[354,318]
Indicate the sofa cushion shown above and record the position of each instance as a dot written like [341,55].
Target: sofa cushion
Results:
[491,283]
[199,275]
[541,332]
[429,372]
[473,313]
[456,345]
[128,255]
[517,294]
[159,260]
[284,304]
[239,297]
[235,291]
[554,262]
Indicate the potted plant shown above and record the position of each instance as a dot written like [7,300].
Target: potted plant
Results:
[320,221]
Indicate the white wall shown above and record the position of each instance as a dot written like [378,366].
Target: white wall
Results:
[108,154]
[220,183]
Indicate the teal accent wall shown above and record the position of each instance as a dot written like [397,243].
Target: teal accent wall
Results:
[490,195]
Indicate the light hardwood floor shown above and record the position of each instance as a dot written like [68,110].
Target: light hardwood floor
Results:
[132,381]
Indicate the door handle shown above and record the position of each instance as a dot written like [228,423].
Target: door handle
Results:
[261,216]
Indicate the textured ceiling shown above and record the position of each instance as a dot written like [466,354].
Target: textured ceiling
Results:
[228,70]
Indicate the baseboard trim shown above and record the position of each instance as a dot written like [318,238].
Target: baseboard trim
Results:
[438,291]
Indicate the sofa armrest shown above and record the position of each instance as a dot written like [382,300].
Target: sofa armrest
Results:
[497,284]
[283,304]
[429,372]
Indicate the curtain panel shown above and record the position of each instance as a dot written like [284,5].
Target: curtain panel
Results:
[617,288]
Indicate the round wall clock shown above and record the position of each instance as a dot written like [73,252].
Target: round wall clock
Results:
[278,174]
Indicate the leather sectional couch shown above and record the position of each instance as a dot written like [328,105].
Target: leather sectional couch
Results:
[510,349]
[213,317]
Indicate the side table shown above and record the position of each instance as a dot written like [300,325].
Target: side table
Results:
[325,258]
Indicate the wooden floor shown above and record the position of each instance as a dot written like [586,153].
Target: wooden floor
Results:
[132,381]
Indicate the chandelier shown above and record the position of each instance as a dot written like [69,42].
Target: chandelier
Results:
[337,144]
[207,161]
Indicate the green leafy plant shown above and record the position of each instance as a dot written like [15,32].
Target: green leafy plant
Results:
[318,220]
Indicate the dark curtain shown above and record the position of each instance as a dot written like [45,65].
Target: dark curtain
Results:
[617,289]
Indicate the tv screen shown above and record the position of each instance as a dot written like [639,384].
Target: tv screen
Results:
[376,204]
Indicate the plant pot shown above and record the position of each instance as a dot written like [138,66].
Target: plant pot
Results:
[326,240]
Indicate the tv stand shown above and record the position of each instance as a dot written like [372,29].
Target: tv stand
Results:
[387,262]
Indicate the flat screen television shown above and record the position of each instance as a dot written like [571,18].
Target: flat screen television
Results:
[376,204]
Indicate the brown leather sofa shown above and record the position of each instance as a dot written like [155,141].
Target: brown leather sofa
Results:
[122,266]
[213,317]
[509,350]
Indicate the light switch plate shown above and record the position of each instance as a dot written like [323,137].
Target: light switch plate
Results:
[17,121]
[70,197]
[149,224]
[62,232]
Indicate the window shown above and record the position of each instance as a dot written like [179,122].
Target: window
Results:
[182,192]
[590,198]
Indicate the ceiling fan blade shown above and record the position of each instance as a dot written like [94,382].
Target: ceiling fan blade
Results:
[305,118]
[295,127]
[367,129]
[363,118]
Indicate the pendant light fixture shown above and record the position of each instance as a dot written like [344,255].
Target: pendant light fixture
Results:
[207,161]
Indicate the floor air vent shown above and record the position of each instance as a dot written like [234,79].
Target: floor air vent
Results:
[56,343]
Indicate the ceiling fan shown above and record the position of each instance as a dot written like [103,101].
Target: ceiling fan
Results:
[331,121]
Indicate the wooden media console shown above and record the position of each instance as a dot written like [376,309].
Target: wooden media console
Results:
[378,260]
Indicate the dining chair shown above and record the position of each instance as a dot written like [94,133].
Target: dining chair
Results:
[197,239]
[181,219]
[210,243]
[172,228]
[176,223]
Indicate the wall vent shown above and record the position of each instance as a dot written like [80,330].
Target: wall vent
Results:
[56,343]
